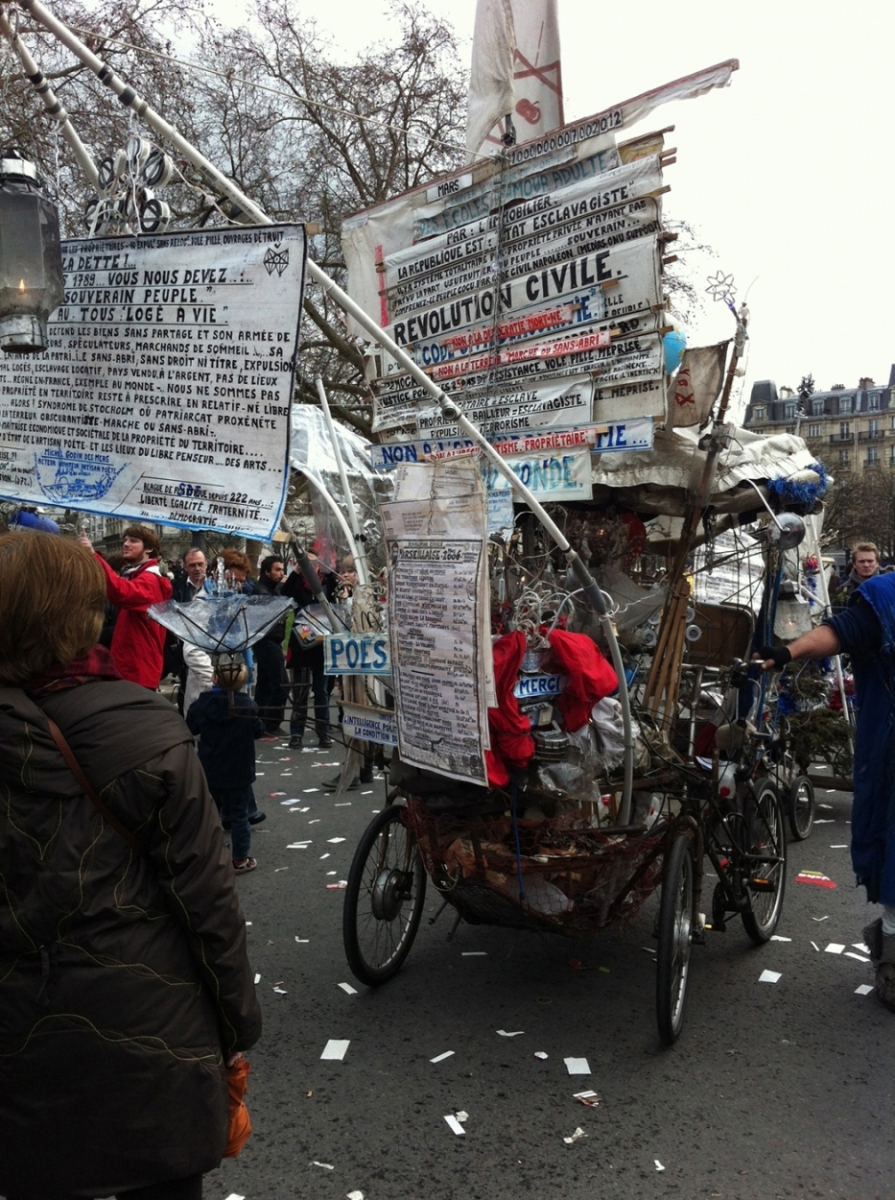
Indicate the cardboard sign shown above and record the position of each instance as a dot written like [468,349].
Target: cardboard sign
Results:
[356,654]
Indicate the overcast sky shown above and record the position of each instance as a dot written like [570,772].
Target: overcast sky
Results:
[788,173]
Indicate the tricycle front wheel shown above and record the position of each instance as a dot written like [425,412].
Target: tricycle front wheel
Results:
[384,898]
[676,917]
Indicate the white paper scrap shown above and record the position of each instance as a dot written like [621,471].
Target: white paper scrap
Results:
[824,820]
[355,1196]
[326,1166]
[257,979]
[474,953]
[331,872]
[858,957]
[820,805]
[860,946]
[335,1049]
[462,1116]
[834,948]
[369,793]
[441,1057]
[819,919]
[346,987]
[333,841]
[769,977]
[590,1098]
[775,937]
[279,869]
[343,804]
[816,947]
[280,991]
[840,846]
[234,1196]
[302,941]
[307,791]
[579,1133]
[659,1166]
[455,1124]
[577,1066]
[516,1033]
[864,989]
[322,857]
[314,821]
[541,1054]
[286,803]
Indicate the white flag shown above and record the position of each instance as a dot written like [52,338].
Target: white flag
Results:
[698,384]
[515,72]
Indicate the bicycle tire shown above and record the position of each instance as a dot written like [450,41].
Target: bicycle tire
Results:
[676,921]
[384,898]
[800,807]
[765,880]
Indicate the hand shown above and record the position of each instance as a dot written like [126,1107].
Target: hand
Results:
[85,541]
[234,1059]
[773,658]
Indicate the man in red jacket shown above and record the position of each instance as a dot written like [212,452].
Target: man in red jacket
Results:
[138,642]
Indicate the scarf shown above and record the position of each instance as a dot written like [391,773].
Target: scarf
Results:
[95,664]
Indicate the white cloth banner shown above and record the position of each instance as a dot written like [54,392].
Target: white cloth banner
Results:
[698,384]
[492,93]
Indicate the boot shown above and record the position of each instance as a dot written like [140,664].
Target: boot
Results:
[873,938]
[885,970]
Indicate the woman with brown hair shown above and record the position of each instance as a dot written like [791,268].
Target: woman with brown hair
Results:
[125,989]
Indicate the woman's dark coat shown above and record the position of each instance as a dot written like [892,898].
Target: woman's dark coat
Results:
[124,979]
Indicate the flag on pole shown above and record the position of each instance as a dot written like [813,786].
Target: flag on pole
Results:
[515,72]
[698,384]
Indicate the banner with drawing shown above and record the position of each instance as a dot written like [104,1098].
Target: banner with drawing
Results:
[166,391]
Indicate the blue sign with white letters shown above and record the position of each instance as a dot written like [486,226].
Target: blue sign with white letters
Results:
[356,654]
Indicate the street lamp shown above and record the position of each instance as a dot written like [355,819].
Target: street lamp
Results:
[31,285]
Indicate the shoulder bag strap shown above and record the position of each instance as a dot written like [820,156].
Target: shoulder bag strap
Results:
[88,789]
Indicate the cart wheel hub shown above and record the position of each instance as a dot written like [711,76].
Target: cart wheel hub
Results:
[388,894]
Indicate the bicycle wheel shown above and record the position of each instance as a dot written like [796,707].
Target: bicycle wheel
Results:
[675,939]
[800,807]
[384,898]
[765,872]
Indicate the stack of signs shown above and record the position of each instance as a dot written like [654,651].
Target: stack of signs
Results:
[530,291]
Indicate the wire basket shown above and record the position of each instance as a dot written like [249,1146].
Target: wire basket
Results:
[561,876]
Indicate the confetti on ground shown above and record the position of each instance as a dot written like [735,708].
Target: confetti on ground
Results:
[234,1196]
[335,841]
[257,979]
[819,919]
[337,887]
[369,793]
[248,922]
[355,1196]
[589,1099]
[816,878]
[279,869]
[579,1133]
[649,949]
[326,1166]
[455,1124]
[577,1066]
[819,805]
[331,872]
[775,937]
[659,1166]
[323,856]
[860,946]
[769,977]
[346,987]
[303,941]
[307,791]
[816,947]
[864,989]
[474,954]
[308,750]
[516,1033]
[462,1117]
[541,1054]
[441,1057]
[335,1049]
[343,804]
[840,846]
[298,845]
[857,957]
[279,794]
[824,821]
[834,948]
[280,991]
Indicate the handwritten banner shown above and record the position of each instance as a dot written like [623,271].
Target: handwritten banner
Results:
[166,390]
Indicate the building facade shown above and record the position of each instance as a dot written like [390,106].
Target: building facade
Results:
[848,429]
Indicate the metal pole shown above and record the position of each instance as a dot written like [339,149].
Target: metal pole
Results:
[38,81]
[360,555]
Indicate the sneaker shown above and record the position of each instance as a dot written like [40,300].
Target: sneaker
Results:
[242,866]
[326,743]
[257,817]
[295,742]
[332,785]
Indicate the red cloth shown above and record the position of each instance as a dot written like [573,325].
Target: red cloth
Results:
[138,642]
[511,741]
[240,1127]
[589,677]
[95,664]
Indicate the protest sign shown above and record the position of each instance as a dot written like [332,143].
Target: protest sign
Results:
[166,390]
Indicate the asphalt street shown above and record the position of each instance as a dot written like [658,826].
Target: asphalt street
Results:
[774,1089]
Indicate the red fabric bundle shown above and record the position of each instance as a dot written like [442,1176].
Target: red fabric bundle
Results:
[240,1126]
[511,740]
[589,677]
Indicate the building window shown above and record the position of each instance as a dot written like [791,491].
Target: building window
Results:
[789,411]
[758,413]
[817,408]
[892,456]
[892,422]
[873,427]
[814,431]
[844,430]
[872,456]
[843,458]
[873,401]
[845,404]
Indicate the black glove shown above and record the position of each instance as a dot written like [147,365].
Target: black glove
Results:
[780,655]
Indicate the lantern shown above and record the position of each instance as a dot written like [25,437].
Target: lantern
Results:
[31,284]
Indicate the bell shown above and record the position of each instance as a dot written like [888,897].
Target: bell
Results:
[31,284]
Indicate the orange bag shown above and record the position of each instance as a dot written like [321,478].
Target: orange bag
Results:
[240,1125]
